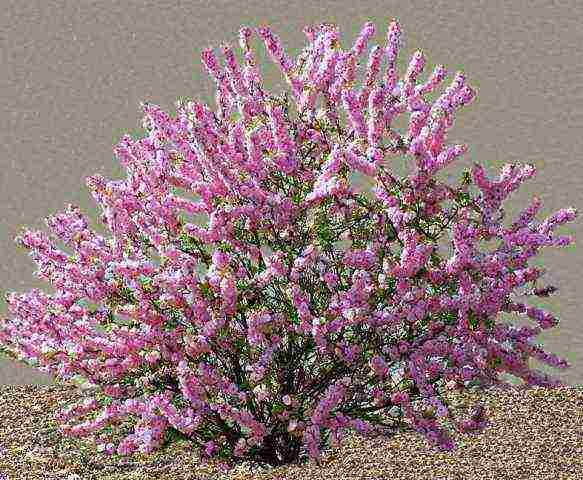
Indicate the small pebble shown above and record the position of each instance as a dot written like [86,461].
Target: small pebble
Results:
[534,434]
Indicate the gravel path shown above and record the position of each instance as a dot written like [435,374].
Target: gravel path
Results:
[543,439]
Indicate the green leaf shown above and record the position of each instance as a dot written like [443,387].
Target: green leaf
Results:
[473,320]
[277,408]
[466,177]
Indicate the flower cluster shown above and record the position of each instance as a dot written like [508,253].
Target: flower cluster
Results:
[298,304]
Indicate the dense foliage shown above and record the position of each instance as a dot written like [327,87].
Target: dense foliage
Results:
[299,304]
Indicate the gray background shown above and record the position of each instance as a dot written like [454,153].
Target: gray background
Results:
[73,74]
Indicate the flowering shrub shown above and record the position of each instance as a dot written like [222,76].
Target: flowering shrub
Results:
[305,306]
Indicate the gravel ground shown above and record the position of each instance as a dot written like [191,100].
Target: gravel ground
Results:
[533,434]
